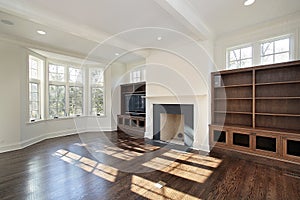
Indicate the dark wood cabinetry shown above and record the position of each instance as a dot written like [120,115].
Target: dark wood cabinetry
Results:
[257,110]
[132,121]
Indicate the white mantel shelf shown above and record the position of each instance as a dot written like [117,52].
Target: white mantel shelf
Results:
[178,96]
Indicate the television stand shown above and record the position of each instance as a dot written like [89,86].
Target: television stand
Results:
[132,120]
[132,125]
[136,114]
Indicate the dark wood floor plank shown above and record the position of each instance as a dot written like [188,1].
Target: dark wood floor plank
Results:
[63,168]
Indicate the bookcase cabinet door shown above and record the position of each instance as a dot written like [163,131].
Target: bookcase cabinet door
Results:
[241,140]
[218,137]
[267,143]
[291,148]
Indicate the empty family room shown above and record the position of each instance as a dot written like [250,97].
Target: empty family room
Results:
[149,99]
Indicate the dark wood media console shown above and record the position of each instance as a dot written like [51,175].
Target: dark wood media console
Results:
[257,110]
[132,117]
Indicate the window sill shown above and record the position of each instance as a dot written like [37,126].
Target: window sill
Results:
[64,118]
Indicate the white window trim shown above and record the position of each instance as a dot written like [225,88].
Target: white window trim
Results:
[89,90]
[256,48]
[141,77]
[44,88]
[235,48]
[67,85]
[41,85]
[291,45]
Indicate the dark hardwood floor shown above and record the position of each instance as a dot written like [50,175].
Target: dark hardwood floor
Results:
[64,168]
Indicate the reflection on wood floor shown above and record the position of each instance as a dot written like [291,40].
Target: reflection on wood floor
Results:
[124,167]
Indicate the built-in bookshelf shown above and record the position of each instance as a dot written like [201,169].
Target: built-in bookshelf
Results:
[132,117]
[257,110]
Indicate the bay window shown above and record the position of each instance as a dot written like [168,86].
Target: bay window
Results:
[67,90]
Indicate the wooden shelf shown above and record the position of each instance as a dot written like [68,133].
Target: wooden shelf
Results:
[233,86]
[234,112]
[127,122]
[279,114]
[258,109]
[282,98]
[277,83]
[233,99]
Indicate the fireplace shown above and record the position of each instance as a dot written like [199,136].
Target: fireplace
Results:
[174,123]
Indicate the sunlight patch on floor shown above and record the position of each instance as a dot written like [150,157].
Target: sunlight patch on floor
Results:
[194,158]
[147,189]
[119,153]
[183,170]
[99,169]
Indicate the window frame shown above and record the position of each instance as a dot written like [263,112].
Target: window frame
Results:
[67,85]
[45,83]
[140,78]
[256,49]
[273,40]
[240,47]
[39,81]
[95,85]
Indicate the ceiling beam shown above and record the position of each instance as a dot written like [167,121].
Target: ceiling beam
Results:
[184,12]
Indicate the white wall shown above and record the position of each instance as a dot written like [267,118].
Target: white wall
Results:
[180,79]
[15,130]
[10,64]
[283,26]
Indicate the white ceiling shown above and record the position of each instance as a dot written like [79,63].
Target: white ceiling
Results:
[77,26]
[224,16]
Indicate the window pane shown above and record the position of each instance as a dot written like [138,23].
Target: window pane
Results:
[56,73]
[75,101]
[52,68]
[33,87]
[246,52]
[234,65]
[267,59]
[97,101]
[35,65]
[96,76]
[34,104]
[282,45]
[61,93]
[34,74]
[56,101]
[75,75]
[282,57]
[234,55]
[34,97]
[241,57]
[246,63]
[267,48]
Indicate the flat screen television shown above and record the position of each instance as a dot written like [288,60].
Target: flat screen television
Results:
[135,104]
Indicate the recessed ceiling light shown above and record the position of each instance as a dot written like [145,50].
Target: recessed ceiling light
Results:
[159,38]
[249,2]
[41,32]
[7,22]
[117,54]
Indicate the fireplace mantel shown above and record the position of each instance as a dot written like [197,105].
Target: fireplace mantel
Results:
[180,96]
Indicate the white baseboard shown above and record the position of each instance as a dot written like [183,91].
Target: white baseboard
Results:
[29,142]
[35,140]
[11,147]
